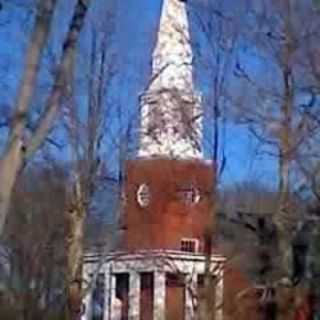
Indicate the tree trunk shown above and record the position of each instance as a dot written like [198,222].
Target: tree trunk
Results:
[284,225]
[17,151]
[207,308]
[284,217]
[75,217]
[12,159]
[283,220]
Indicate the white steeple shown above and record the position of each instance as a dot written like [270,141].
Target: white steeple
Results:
[170,109]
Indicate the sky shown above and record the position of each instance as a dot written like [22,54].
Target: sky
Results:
[138,21]
[135,35]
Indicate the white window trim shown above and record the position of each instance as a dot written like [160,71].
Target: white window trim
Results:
[142,191]
[193,240]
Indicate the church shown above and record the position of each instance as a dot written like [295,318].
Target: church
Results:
[157,270]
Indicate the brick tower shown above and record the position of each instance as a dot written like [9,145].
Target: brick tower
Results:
[167,186]
[155,272]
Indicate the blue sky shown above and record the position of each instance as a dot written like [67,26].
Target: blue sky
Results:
[138,21]
[136,27]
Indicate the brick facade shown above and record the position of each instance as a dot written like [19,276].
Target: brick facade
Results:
[178,203]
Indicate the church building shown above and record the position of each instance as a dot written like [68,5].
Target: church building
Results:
[158,268]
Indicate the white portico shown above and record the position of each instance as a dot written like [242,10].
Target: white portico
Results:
[158,263]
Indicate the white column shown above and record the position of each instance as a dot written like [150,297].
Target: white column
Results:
[219,294]
[159,302]
[114,305]
[190,296]
[134,295]
[87,300]
[110,303]
[106,295]
[107,286]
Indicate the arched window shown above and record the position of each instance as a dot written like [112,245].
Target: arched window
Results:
[189,194]
[143,195]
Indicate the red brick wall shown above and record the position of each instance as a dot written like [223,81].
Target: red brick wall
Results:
[167,219]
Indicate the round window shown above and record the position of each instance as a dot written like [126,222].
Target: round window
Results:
[189,195]
[143,195]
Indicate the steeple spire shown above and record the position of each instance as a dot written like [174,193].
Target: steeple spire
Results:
[170,108]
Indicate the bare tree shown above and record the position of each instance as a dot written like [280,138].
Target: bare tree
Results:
[218,27]
[85,129]
[278,118]
[19,149]
[32,251]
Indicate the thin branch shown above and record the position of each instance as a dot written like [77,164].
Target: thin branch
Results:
[63,75]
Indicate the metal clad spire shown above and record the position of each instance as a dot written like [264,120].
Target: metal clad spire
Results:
[170,109]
